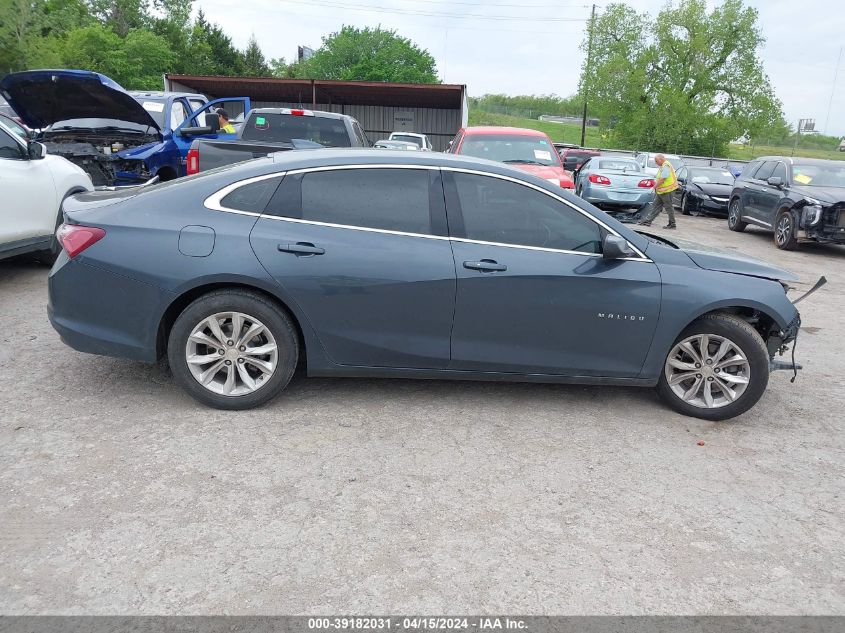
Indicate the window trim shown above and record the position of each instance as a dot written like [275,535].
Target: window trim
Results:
[213,203]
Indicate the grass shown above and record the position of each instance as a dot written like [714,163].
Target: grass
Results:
[569,133]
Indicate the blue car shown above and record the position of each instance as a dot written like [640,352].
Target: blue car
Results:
[119,138]
[407,264]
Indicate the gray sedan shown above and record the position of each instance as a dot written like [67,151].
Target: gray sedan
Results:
[616,183]
[406,264]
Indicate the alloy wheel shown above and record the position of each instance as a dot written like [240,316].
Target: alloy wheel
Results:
[783,232]
[733,213]
[707,371]
[231,353]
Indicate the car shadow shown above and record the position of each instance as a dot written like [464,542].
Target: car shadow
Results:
[817,249]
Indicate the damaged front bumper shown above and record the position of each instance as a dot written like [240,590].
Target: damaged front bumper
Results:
[822,224]
[104,169]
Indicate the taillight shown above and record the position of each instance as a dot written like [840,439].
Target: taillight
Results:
[598,179]
[646,183]
[297,112]
[193,165]
[75,238]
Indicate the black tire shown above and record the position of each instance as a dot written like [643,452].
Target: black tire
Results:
[234,300]
[734,215]
[752,345]
[684,209]
[784,231]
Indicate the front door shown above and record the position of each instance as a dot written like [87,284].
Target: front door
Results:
[29,208]
[365,255]
[235,107]
[534,294]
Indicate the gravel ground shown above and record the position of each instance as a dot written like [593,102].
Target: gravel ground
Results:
[120,495]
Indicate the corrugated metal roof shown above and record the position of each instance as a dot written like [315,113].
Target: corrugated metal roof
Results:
[305,91]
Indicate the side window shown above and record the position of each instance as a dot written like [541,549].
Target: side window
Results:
[9,147]
[748,171]
[682,173]
[252,197]
[765,170]
[496,210]
[178,114]
[196,104]
[780,172]
[387,199]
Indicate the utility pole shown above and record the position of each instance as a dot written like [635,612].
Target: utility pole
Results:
[832,91]
[586,69]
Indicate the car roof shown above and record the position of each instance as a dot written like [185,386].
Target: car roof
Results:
[804,161]
[417,134]
[318,113]
[163,95]
[489,130]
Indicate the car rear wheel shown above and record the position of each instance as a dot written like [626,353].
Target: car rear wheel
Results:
[718,368]
[232,349]
[785,231]
[735,222]
[684,205]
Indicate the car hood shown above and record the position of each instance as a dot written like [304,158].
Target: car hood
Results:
[545,171]
[828,195]
[712,189]
[711,258]
[44,97]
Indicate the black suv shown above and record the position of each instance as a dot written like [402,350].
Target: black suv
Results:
[798,199]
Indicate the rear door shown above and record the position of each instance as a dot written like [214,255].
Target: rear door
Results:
[365,254]
[534,294]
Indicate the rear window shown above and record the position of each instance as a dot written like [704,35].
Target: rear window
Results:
[283,128]
[407,138]
[628,165]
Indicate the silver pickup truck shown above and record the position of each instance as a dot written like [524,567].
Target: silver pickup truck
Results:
[268,130]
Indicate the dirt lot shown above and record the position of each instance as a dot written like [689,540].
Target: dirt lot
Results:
[119,494]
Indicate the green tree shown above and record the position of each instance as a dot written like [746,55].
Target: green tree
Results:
[32,31]
[369,55]
[687,81]
[254,64]
[147,56]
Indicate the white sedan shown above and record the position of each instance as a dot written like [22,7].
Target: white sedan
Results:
[33,186]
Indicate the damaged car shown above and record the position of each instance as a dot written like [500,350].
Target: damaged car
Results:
[798,199]
[118,138]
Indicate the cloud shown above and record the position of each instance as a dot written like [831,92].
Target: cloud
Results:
[541,55]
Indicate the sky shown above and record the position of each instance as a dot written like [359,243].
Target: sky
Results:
[532,46]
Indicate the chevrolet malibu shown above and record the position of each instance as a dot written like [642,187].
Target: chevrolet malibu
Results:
[405,264]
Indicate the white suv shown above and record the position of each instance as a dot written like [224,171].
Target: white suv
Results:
[34,184]
[420,140]
[646,161]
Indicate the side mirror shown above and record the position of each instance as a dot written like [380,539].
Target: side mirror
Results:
[775,181]
[570,163]
[615,247]
[35,150]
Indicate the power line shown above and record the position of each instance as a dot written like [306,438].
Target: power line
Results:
[459,16]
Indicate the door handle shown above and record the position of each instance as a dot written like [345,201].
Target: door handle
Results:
[302,248]
[486,266]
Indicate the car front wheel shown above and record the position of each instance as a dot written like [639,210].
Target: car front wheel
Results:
[233,349]
[735,222]
[785,231]
[718,368]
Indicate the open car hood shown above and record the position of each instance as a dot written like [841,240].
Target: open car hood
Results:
[44,97]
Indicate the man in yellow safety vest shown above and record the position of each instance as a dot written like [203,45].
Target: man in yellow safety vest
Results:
[665,182]
[225,126]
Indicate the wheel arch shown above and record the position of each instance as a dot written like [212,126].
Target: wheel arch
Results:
[756,316]
[183,300]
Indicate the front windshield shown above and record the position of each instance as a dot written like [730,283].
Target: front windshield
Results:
[711,177]
[154,107]
[823,175]
[511,148]
[98,124]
